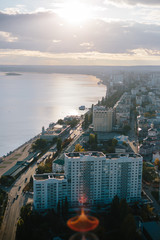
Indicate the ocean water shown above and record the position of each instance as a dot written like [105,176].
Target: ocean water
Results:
[31,100]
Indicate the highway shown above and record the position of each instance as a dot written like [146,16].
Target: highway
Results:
[12,213]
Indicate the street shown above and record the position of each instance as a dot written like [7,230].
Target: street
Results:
[16,199]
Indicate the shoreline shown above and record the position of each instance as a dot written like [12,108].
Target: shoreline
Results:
[98,80]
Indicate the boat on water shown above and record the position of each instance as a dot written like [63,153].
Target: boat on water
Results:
[82,107]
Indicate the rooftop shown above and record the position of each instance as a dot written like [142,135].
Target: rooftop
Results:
[59,161]
[120,155]
[81,154]
[46,176]
[153,229]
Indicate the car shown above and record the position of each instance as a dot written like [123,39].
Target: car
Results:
[19,188]
[25,180]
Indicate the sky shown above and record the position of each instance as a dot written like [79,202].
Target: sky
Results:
[86,32]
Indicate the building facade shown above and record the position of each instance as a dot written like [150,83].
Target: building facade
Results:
[86,177]
[102,119]
[91,178]
[49,189]
[125,176]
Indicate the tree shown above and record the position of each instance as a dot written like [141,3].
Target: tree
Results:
[157,162]
[90,117]
[128,227]
[59,145]
[124,209]
[148,173]
[60,121]
[126,129]
[65,206]
[59,207]
[7,180]
[146,212]
[91,138]
[114,142]
[115,210]
[86,121]
[96,140]
[110,149]
[25,211]
[124,143]
[66,142]
[72,122]
[78,148]
[39,144]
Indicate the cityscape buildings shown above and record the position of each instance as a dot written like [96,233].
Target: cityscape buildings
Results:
[91,176]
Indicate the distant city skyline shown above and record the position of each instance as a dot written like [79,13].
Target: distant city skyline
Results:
[97,32]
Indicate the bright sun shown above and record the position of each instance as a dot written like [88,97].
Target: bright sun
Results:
[75,12]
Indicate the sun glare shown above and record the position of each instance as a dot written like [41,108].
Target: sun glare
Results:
[75,12]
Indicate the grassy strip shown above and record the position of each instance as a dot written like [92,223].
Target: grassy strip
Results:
[18,155]
[13,159]
[3,204]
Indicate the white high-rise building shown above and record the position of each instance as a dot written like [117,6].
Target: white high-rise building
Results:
[86,177]
[102,119]
[92,176]
[125,176]
[49,188]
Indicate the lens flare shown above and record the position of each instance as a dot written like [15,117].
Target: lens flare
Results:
[82,199]
[82,223]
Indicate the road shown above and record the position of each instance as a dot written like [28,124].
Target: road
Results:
[132,137]
[12,213]
[76,135]
[17,199]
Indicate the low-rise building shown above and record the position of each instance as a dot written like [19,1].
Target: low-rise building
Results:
[55,131]
[58,166]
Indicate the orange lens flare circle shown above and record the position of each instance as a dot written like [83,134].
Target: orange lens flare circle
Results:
[82,223]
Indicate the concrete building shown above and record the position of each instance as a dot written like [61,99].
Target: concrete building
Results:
[152,132]
[102,119]
[86,177]
[93,177]
[125,176]
[58,166]
[54,131]
[49,189]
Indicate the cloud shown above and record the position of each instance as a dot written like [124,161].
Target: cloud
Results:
[135,2]
[45,35]
[7,37]
[46,31]
[15,10]
[136,57]
[87,45]
[56,41]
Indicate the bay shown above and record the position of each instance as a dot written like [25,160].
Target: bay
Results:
[31,100]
